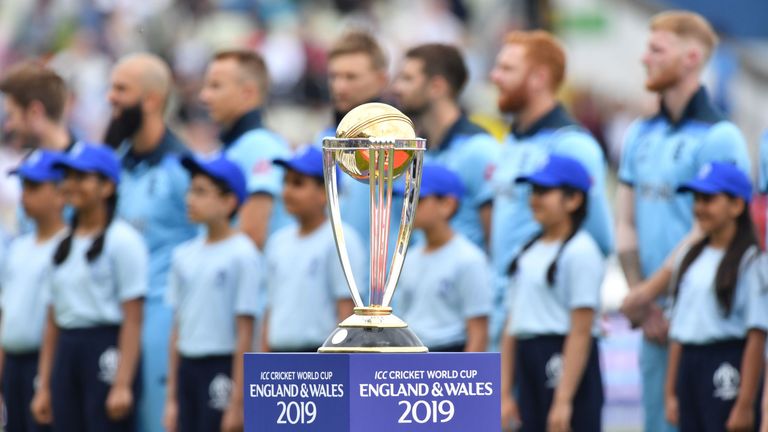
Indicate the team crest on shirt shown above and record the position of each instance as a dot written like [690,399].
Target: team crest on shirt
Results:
[221,279]
[726,380]
[554,370]
[219,391]
[108,365]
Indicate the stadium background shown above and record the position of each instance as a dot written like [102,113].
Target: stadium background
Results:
[604,40]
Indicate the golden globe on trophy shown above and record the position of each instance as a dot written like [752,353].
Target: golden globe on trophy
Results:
[375,144]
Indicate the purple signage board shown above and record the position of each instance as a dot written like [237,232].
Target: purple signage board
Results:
[372,392]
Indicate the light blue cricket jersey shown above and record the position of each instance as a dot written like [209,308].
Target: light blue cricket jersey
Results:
[658,156]
[152,193]
[538,308]
[211,284]
[697,317]
[23,297]
[513,223]
[440,290]
[472,153]
[762,184]
[90,294]
[253,148]
[304,282]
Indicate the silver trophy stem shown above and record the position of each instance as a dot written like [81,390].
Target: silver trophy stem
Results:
[410,202]
[381,158]
[332,190]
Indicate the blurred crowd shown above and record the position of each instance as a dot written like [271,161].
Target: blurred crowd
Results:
[212,177]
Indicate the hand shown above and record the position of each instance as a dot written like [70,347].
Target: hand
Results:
[764,422]
[170,415]
[655,326]
[232,420]
[119,402]
[41,406]
[741,419]
[635,305]
[559,419]
[672,409]
[510,414]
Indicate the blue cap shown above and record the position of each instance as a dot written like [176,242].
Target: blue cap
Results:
[39,167]
[720,177]
[436,180]
[308,162]
[92,158]
[559,171]
[221,169]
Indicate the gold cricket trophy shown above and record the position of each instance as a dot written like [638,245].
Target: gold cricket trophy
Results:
[375,144]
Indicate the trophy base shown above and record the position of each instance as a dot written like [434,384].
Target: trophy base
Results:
[373,330]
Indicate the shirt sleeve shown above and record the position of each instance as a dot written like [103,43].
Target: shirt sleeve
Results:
[255,156]
[131,260]
[763,168]
[756,282]
[582,147]
[250,271]
[626,162]
[724,143]
[174,282]
[582,274]
[474,283]
[484,153]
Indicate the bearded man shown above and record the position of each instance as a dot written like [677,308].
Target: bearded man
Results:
[152,190]
[660,153]
[529,70]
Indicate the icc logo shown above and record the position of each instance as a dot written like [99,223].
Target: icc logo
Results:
[219,391]
[554,370]
[726,380]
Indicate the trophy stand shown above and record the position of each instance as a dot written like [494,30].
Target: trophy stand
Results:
[365,151]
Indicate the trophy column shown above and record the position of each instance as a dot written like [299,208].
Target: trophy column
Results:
[376,144]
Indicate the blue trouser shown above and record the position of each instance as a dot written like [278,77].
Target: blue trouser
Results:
[19,373]
[707,385]
[155,337]
[84,369]
[204,388]
[538,366]
[653,368]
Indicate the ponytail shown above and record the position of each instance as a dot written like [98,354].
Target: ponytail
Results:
[98,244]
[727,276]
[577,220]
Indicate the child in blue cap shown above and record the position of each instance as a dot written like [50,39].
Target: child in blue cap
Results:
[90,352]
[213,288]
[549,349]
[307,293]
[23,300]
[444,292]
[720,314]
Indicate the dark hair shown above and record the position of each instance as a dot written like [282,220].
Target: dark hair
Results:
[728,271]
[252,64]
[442,60]
[29,82]
[577,220]
[62,251]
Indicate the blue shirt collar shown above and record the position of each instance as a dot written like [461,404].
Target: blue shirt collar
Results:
[462,126]
[699,108]
[250,120]
[169,144]
[556,118]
